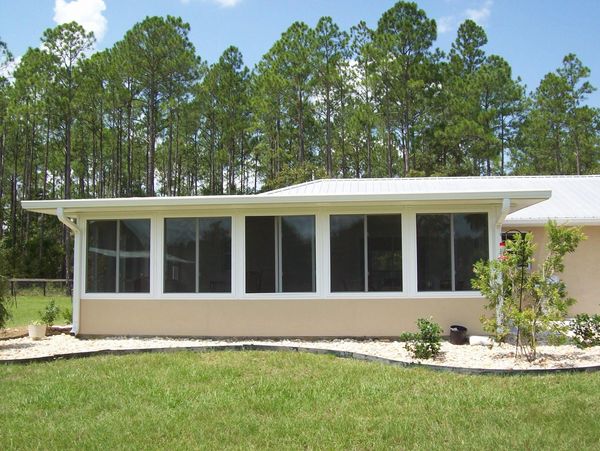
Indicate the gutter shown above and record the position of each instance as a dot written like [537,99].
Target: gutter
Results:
[503,211]
[60,214]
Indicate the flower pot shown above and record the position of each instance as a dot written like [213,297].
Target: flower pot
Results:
[36,331]
[458,335]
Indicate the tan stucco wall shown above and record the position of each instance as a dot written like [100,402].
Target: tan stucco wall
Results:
[291,318]
[582,269]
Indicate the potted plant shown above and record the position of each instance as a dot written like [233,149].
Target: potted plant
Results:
[37,329]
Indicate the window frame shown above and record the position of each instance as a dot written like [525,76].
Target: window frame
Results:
[196,220]
[278,260]
[366,254]
[322,262]
[451,215]
[84,258]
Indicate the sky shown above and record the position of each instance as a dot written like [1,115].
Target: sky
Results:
[532,35]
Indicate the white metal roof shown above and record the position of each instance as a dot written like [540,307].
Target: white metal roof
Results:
[406,191]
[575,199]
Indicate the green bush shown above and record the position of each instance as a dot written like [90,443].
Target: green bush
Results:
[5,299]
[67,315]
[586,330]
[49,314]
[426,343]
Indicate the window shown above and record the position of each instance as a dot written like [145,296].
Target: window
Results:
[118,256]
[197,255]
[366,253]
[448,245]
[280,254]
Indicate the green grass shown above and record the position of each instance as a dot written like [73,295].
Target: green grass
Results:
[263,400]
[27,308]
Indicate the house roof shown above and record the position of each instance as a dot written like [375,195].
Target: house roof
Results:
[319,193]
[575,199]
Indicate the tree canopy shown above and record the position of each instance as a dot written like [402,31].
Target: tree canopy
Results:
[149,116]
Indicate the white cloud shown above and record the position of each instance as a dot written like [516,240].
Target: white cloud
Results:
[227,3]
[221,3]
[87,13]
[480,15]
[446,24]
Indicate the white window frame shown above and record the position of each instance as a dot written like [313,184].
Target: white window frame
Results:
[322,215]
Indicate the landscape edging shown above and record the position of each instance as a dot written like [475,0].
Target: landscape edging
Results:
[285,348]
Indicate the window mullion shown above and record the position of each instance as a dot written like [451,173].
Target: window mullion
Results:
[197,271]
[366,253]
[452,264]
[278,262]
[118,256]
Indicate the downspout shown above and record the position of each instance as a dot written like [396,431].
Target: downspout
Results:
[501,217]
[60,214]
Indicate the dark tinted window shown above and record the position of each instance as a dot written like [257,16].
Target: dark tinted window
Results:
[214,255]
[347,253]
[384,236]
[434,265]
[134,256]
[470,246]
[448,245]
[260,254]
[101,271]
[180,255]
[297,253]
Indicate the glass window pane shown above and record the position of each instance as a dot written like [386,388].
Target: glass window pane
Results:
[180,255]
[298,253]
[470,245]
[434,270]
[134,256]
[384,235]
[260,254]
[214,255]
[101,257]
[347,253]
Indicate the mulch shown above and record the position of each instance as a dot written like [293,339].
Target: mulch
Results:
[21,331]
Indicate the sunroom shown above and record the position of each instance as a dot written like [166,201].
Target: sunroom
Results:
[322,259]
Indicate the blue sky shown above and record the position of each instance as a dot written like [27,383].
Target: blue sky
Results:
[533,35]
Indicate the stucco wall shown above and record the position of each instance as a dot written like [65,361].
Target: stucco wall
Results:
[582,269]
[250,318]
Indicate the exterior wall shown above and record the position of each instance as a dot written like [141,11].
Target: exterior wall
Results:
[582,268]
[317,314]
[283,318]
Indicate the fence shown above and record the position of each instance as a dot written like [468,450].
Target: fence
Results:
[14,284]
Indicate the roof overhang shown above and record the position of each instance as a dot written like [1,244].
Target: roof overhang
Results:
[75,207]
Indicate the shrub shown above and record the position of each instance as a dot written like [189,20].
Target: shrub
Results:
[5,299]
[426,343]
[534,302]
[67,315]
[586,330]
[49,314]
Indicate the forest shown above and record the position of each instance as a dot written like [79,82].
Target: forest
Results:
[150,117]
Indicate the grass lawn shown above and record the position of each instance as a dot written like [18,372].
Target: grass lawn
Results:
[262,400]
[27,307]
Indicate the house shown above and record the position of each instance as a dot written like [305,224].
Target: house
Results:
[351,257]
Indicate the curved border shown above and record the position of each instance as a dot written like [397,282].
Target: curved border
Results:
[336,353]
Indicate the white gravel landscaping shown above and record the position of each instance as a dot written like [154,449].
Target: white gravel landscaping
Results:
[498,357]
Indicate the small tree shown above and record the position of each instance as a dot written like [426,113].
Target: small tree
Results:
[532,301]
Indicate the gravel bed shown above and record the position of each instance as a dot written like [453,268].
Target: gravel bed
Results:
[498,357]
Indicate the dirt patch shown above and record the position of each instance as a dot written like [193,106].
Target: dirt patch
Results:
[13,332]
[20,332]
